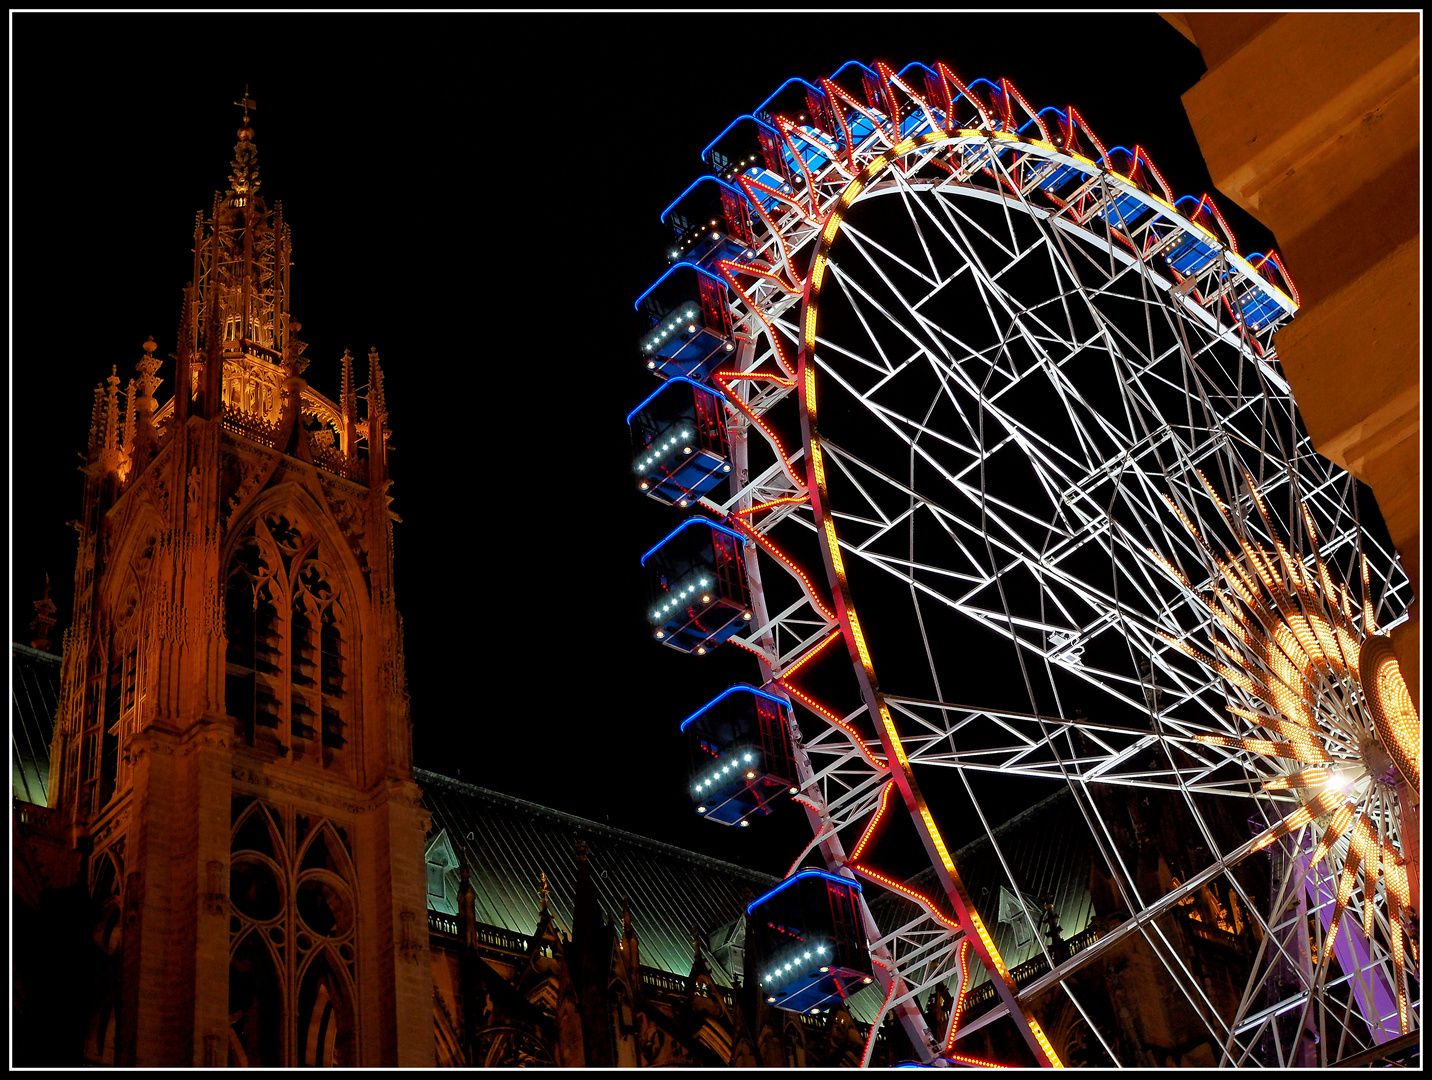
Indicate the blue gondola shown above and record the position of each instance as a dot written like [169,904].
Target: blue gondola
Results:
[1258,308]
[691,332]
[699,595]
[1123,208]
[746,143]
[712,221]
[741,757]
[679,439]
[810,942]
[1053,175]
[1190,253]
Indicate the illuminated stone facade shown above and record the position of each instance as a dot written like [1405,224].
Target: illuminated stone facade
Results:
[232,815]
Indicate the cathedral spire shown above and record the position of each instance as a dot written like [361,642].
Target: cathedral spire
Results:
[96,431]
[348,407]
[244,179]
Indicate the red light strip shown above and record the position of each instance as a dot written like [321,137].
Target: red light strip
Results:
[885,73]
[769,275]
[950,78]
[773,502]
[776,552]
[808,657]
[959,993]
[1012,91]
[747,185]
[828,88]
[1140,154]
[728,270]
[1076,119]
[825,714]
[784,126]
[918,99]
[875,1027]
[745,410]
[868,114]
[909,894]
[870,828]
[824,834]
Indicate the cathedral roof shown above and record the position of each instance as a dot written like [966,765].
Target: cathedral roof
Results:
[35,692]
[1048,853]
[508,843]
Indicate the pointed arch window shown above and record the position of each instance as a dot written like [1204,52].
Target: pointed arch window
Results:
[288,661]
[293,915]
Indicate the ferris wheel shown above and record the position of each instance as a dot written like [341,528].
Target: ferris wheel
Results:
[973,421]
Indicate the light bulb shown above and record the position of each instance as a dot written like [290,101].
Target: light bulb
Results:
[744,823]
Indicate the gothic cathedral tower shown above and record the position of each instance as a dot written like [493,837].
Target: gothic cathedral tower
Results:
[232,759]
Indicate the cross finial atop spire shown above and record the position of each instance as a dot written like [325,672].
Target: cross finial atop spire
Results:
[246,103]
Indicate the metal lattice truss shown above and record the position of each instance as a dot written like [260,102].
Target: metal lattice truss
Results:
[982,374]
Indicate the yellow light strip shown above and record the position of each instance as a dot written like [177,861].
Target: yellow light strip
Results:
[1044,1043]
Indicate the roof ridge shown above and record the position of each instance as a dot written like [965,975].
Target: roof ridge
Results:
[426,776]
[32,653]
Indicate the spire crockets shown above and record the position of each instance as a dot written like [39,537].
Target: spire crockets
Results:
[377,401]
[244,180]
[144,437]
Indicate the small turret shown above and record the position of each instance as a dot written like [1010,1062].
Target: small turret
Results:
[377,424]
[44,620]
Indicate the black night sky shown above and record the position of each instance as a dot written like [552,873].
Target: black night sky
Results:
[478,197]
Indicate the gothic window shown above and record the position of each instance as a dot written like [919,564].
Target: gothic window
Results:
[111,706]
[287,665]
[103,987]
[292,933]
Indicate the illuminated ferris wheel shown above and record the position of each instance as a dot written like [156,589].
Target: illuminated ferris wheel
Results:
[958,401]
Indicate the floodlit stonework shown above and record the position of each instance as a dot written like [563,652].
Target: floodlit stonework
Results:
[231,800]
